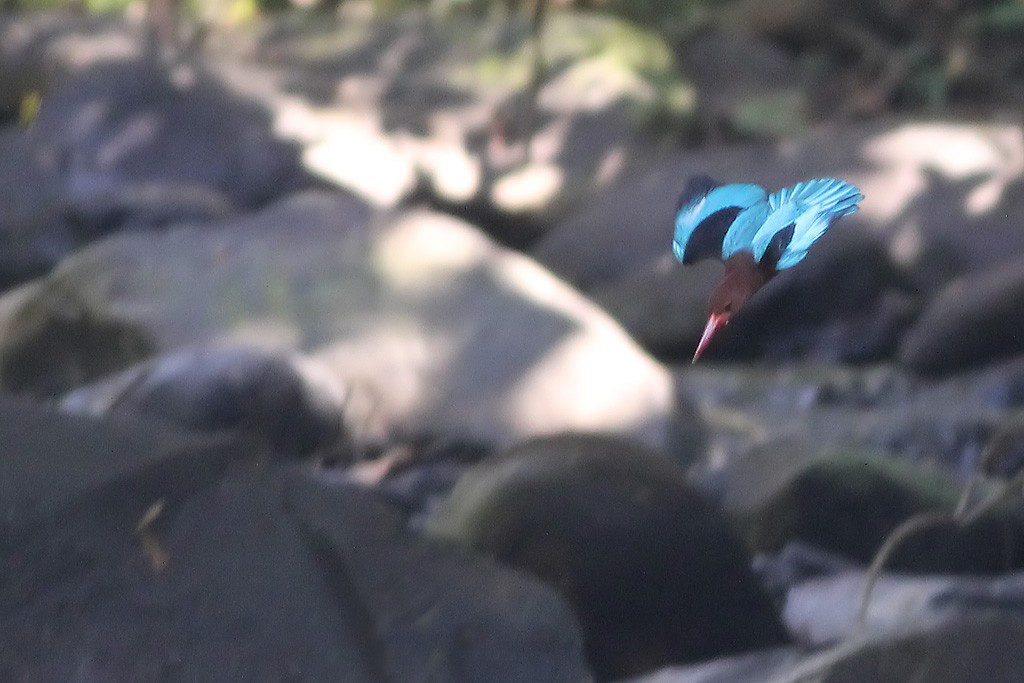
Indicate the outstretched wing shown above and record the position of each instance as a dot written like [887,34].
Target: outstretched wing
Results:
[707,211]
[798,216]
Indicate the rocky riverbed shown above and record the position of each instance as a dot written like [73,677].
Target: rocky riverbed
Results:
[311,372]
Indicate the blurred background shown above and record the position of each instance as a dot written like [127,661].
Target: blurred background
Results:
[305,265]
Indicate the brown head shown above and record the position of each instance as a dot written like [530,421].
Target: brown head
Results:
[743,277]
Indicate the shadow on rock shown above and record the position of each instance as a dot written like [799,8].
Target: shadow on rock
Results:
[653,570]
[282,399]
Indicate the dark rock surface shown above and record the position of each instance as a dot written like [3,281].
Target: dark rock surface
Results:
[52,462]
[264,394]
[134,145]
[974,320]
[572,508]
[226,567]
[848,505]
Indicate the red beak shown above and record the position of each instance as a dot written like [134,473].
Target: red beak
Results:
[715,323]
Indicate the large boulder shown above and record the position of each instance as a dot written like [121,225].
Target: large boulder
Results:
[280,398]
[424,324]
[53,462]
[849,503]
[654,571]
[974,320]
[134,145]
[135,552]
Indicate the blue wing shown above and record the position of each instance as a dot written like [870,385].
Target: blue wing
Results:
[707,212]
[798,216]
[741,233]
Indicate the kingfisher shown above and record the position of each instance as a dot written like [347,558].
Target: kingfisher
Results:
[754,233]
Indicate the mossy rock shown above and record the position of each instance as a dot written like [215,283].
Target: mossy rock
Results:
[655,571]
[54,341]
[849,502]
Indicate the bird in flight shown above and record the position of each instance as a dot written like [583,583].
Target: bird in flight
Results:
[754,233]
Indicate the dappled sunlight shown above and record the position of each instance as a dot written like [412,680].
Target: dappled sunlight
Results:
[493,345]
[356,156]
[957,151]
[592,393]
[414,255]
[445,112]
[528,188]
[76,49]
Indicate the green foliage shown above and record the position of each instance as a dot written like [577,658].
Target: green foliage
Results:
[107,6]
[1001,17]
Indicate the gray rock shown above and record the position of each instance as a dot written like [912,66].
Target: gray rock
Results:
[429,326]
[974,320]
[52,462]
[131,551]
[653,570]
[272,396]
[462,619]
[933,628]
[848,504]
[880,410]
[266,577]
[845,303]
[754,667]
[973,647]
[444,108]
[663,307]
[134,144]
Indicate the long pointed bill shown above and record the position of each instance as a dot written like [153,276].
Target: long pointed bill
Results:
[715,323]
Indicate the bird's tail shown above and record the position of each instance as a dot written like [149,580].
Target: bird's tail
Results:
[828,196]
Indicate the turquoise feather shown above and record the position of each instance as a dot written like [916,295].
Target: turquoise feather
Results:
[719,221]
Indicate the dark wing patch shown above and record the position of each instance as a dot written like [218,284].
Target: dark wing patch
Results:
[706,239]
[776,246]
[696,187]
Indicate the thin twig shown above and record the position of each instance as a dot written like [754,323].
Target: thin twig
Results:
[905,529]
[963,515]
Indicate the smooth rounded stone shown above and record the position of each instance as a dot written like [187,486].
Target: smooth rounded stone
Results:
[134,144]
[283,399]
[462,618]
[52,462]
[848,503]
[825,609]
[268,575]
[974,320]
[978,646]
[664,307]
[53,339]
[654,571]
[1002,384]
[429,326]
